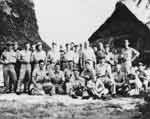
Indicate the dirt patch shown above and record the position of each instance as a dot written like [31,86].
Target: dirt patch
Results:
[64,107]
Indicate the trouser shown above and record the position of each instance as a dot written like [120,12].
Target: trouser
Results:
[109,84]
[43,88]
[126,67]
[24,77]
[17,69]
[92,90]
[58,89]
[10,77]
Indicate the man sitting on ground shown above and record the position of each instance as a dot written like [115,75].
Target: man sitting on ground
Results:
[58,80]
[41,83]
[78,84]
[103,73]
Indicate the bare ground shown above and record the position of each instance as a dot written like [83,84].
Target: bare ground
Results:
[63,107]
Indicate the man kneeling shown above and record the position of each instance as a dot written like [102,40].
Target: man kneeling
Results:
[41,83]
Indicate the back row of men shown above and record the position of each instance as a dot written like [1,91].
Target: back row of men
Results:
[75,70]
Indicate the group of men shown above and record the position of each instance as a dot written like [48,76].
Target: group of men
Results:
[77,70]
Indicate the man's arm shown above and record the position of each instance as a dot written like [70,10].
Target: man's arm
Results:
[34,76]
[135,54]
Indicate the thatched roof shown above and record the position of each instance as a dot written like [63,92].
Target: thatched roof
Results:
[121,24]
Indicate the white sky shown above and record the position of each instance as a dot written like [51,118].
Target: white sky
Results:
[71,20]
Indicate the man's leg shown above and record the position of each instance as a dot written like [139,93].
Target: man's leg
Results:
[21,77]
[28,78]
[13,77]
[6,78]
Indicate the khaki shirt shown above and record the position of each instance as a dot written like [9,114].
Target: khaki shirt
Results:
[39,75]
[25,56]
[103,70]
[53,56]
[9,57]
[39,55]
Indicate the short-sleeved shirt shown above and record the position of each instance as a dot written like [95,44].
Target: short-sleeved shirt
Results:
[58,77]
[69,55]
[53,55]
[39,75]
[76,57]
[88,75]
[103,69]
[9,57]
[39,55]
[88,54]
[25,56]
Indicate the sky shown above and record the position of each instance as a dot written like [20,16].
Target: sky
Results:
[63,21]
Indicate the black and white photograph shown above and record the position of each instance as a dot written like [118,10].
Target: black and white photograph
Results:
[74,59]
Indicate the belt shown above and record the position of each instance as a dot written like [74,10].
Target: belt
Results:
[10,64]
[25,63]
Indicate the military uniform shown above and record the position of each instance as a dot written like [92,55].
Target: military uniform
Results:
[128,54]
[88,55]
[25,69]
[103,73]
[9,58]
[58,82]
[37,56]
[43,83]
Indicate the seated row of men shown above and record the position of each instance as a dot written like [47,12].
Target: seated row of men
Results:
[95,83]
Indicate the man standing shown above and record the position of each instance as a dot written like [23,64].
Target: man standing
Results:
[129,55]
[54,53]
[100,51]
[88,55]
[39,54]
[9,59]
[25,70]
[109,55]
[76,57]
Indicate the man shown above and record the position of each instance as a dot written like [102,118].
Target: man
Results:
[41,83]
[88,55]
[100,51]
[89,75]
[69,77]
[76,57]
[77,85]
[104,73]
[142,76]
[9,58]
[120,81]
[109,55]
[39,54]
[25,70]
[129,55]
[33,51]
[54,53]
[69,53]
[17,65]
[58,80]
